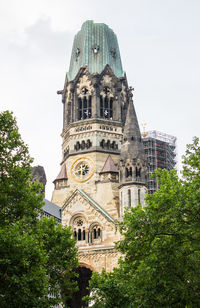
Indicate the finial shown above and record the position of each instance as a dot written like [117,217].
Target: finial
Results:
[130,90]
[144,134]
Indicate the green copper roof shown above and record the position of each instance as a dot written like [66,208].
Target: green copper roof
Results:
[95,46]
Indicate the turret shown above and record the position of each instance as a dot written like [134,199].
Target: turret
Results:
[133,164]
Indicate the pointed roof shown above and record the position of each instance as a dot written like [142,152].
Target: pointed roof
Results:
[91,201]
[109,166]
[62,174]
[132,145]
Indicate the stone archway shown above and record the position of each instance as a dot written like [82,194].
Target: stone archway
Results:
[85,274]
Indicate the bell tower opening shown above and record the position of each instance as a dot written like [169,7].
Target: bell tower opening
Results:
[84,275]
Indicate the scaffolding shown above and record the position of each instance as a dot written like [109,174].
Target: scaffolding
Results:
[160,150]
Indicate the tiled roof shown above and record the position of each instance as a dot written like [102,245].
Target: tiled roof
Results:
[109,166]
[52,209]
[63,174]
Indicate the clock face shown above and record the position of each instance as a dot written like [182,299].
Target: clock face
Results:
[82,169]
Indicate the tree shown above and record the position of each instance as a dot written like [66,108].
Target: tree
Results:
[37,257]
[61,253]
[161,245]
[19,197]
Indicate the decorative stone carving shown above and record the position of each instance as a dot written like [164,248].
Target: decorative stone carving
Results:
[69,94]
[106,92]
[123,94]
[106,80]
[84,87]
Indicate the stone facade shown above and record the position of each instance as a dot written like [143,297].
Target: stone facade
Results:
[103,169]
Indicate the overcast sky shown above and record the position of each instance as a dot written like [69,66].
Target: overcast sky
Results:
[159,41]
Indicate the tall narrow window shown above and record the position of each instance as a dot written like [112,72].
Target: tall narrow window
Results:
[83,235]
[106,104]
[79,228]
[85,109]
[138,196]
[80,109]
[111,108]
[79,234]
[138,172]
[101,107]
[129,197]
[84,105]
[95,233]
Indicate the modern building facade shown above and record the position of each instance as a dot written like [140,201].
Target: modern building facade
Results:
[160,150]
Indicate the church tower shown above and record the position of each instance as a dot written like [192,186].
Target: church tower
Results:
[103,168]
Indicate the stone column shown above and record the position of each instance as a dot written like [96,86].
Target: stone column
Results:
[95,98]
[117,103]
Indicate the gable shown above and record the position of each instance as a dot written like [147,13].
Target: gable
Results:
[80,202]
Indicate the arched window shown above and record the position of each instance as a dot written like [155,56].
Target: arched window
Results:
[102,143]
[83,145]
[88,144]
[106,104]
[138,172]
[84,105]
[77,146]
[128,172]
[108,144]
[129,197]
[79,234]
[79,227]
[138,196]
[95,233]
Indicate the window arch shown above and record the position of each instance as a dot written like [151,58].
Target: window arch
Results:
[128,172]
[95,233]
[88,144]
[79,228]
[84,105]
[129,197]
[139,195]
[83,145]
[106,104]
[138,172]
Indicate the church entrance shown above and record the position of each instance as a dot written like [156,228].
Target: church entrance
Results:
[83,283]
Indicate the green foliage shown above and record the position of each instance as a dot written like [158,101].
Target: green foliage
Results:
[61,254]
[161,245]
[37,257]
[19,197]
[109,290]
[23,279]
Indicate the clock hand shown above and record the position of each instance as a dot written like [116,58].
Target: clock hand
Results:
[81,169]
